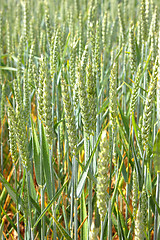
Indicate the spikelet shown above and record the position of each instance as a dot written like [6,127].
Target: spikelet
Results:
[61,41]
[148,106]
[139,35]
[108,28]
[154,47]
[89,23]
[30,67]
[55,22]
[71,25]
[21,138]
[97,57]
[72,62]
[42,70]
[31,30]
[18,21]
[80,36]
[134,95]
[125,11]
[76,6]
[91,90]
[54,54]
[147,7]
[82,92]
[26,96]
[139,231]
[104,27]
[113,106]
[152,6]
[3,98]
[113,95]
[47,111]
[103,178]
[18,118]
[158,86]
[69,115]
[47,22]
[132,47]
[75,90]
[135,193]
[12,138]
[143,21]
[19,62]
[26,21]
[144,207]
[121,23]
[18,98]
[154,24]
[8,31]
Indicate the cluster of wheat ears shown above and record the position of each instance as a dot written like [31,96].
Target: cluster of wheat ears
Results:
[80,119]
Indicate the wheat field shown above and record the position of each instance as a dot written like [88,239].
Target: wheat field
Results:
[79,119]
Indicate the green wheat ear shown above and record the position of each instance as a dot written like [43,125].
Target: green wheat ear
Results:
[139,231]
[121,24]
[69,116]
[92,93]
[144,29]
[47,22]
[47,104]
[25,21]
[135,193]
[3,98]
[42,70]
[135,90]
[144,207]
[21,137]
[12,138]
[30,67]
[26,94]
[132,47]
[113,106]
[148,106]
[103,175]
[82,92]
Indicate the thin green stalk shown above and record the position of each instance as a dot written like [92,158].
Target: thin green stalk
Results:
[90,183]
[17,216]
[109,221]
[124,107]
[86,148]
[156,223]
[101,236]
[58,130]
[41,181]
[127,183]
[2,146]
[53,191]
[29,206]
[75,168]
[2,156]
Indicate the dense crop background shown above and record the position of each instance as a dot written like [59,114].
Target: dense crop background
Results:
[79,119]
